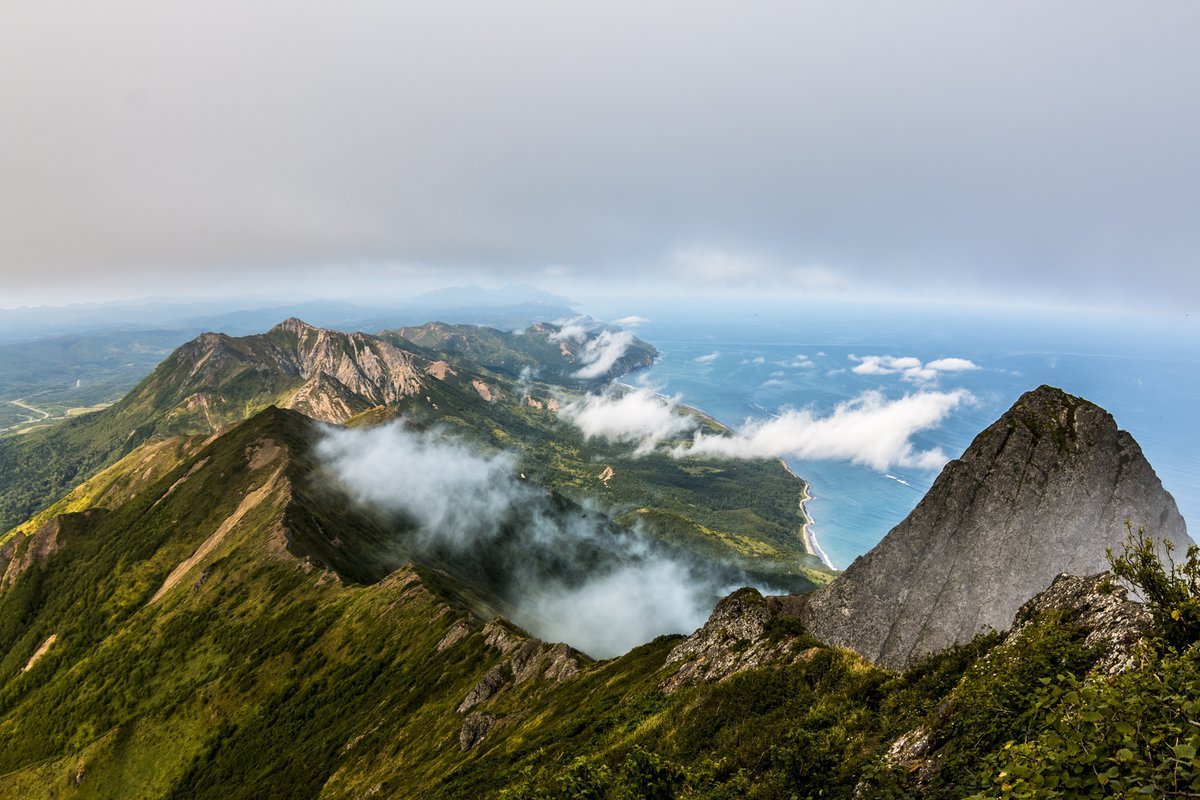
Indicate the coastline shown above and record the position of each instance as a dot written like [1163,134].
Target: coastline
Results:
[810,539]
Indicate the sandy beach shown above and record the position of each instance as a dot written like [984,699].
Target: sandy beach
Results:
[810,539]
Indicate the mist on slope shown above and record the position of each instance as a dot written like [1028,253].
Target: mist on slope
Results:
[570,573]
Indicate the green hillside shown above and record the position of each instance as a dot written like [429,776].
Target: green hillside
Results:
[207,622]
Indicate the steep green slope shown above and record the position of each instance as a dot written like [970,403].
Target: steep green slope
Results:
[152,668]
[208,621]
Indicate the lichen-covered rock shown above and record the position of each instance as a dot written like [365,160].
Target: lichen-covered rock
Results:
[1045,489]
[735,638]
[474,728]
[1099,605]
[525,658]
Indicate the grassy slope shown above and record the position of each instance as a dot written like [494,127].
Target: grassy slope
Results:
[37,468]
[260,675]
[134,692]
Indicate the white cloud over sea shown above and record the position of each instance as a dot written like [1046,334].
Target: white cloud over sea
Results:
[600,353]
[632,321]
[869,429]
[909,368]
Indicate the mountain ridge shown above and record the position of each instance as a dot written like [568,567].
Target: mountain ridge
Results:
[191,621]
[216,380]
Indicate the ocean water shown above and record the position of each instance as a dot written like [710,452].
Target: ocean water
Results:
[1145,371]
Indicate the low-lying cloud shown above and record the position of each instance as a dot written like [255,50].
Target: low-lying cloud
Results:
[909,368]
[707,358]
[638,417]
[599,351]
[568,573]
[870,430]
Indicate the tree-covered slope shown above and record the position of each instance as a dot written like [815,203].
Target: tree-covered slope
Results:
[209,618]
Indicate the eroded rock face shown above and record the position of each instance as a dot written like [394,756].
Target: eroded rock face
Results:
[736,637]
[20,552]
[369,368]
[523,659]
[474,728]
[1046,489]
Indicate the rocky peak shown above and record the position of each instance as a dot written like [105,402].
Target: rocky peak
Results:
[375,370]
[295,325]
[1098,604]
[737,636]
[1046,489]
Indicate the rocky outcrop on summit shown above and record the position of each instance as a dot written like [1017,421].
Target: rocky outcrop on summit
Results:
[1099,610]
[1045,489]
[325,398]
[1100,607]
[524,659]
[745,630]
[373,369]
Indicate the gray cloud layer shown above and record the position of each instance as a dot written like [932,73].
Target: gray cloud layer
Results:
[930,144]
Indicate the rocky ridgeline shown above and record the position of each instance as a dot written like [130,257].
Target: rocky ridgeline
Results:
[523,658]
[743,632]
[1047,488]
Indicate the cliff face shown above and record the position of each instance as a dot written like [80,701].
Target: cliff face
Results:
[1045,489]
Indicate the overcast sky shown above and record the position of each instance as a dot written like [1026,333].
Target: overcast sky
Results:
[1011,150]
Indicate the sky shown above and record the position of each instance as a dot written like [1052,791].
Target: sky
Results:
[1020,150]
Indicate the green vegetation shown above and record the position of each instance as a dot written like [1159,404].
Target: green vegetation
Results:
[512,353]
[1132,735]
[297,657]
[1171,590]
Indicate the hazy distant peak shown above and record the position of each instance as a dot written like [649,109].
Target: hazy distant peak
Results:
[294,325]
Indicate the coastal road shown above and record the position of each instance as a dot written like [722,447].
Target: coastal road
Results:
[27,407]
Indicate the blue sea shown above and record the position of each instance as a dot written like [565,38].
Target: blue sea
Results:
[746,365]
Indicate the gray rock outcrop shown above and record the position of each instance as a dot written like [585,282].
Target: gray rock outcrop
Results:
[1046,489]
